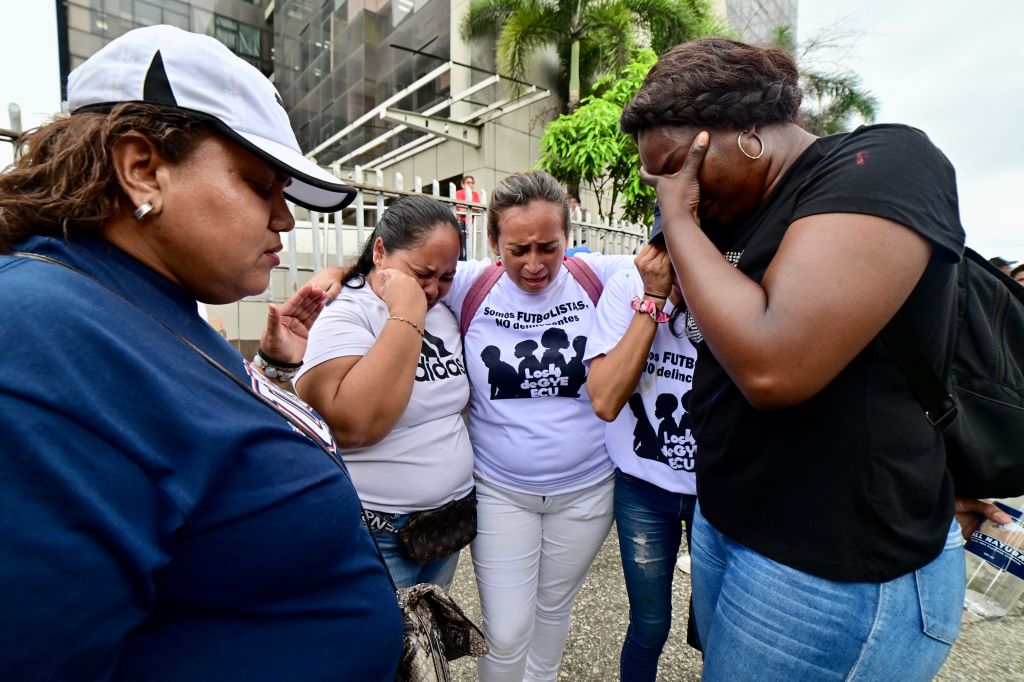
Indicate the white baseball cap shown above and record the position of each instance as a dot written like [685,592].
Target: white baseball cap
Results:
[175,69]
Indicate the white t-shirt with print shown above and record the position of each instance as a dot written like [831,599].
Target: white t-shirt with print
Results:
[530,419]
[651,438]
[426,460]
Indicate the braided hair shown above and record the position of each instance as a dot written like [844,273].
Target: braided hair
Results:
[716,83]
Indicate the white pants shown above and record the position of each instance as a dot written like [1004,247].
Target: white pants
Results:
[531,555]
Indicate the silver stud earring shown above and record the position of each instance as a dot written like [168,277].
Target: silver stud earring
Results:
[142,210]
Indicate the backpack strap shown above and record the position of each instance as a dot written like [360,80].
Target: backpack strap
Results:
[585,276]
[478,291]
[481,286]
[939,405]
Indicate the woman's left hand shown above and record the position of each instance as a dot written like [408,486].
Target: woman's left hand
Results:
[970,513]
[287,331]
[655,270]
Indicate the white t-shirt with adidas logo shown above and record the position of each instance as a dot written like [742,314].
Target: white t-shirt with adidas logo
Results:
[427,459]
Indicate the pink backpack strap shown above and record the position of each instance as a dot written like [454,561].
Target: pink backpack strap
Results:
[478,291]
[585,276]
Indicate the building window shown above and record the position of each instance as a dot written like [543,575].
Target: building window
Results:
[202,21]
[226,31]
[400,9]
[242,39]
[147,15]
[248,40]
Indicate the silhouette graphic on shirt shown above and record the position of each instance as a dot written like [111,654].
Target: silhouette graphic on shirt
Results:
[645,440]
[673,443]
[436,361]
[550,376]
[500,375]
[575,370]
[554,340]
[528,361]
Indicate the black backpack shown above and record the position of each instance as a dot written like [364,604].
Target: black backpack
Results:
[981,414]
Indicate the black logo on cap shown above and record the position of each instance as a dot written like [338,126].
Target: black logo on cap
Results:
[157,87]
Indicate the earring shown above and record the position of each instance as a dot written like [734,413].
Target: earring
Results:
[142,210]
[739,143]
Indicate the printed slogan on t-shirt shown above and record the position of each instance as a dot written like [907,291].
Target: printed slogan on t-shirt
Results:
[549,365]
[671,441]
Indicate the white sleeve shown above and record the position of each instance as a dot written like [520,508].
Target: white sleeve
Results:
[613,315]
[605,267]
[466,273]
[344,329]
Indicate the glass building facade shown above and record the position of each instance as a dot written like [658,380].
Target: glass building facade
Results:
[331,60]
[335,60]
[84,26]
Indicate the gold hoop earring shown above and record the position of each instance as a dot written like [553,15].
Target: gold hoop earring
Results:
[739,143]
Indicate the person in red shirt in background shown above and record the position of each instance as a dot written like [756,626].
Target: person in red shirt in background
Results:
[467,192]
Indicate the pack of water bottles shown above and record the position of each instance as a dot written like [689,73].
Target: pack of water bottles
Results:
[995,563]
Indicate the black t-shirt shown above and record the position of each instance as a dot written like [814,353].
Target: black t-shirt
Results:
[851,484]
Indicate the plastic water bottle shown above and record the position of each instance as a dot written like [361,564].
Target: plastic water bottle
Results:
[995,563]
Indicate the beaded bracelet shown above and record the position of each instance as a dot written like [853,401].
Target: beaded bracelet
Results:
[649,308]
[408,322]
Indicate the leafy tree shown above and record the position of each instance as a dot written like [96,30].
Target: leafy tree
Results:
[587,146]
[591,36]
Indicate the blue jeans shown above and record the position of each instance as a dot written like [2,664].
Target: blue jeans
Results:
[761,620]
[648,520]
[406,572]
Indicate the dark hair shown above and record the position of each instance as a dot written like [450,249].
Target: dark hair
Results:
[404,225]
[677,312]
[519,189]
[66,185]
[716,83]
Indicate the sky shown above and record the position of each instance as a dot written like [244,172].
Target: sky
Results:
[956,71]
[953,69]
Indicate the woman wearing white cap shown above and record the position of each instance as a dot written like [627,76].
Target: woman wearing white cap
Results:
[168,513]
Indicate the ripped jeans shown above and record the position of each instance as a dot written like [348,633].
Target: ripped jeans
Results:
[648,520]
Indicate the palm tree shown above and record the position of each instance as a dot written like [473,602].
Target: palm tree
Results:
[830,99]
[591,36]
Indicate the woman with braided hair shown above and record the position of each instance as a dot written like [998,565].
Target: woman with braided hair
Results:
[825,544]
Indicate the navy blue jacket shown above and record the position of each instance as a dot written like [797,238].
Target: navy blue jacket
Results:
[157,523]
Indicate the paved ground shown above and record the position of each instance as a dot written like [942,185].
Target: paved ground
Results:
[985,652]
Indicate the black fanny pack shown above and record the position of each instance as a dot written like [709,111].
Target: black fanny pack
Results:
[435,533]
